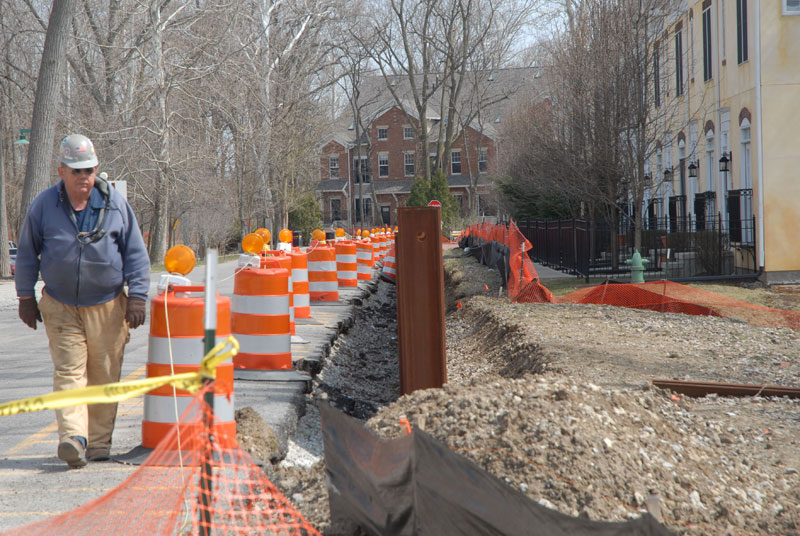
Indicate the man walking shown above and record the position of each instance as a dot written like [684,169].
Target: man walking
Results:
[82,236]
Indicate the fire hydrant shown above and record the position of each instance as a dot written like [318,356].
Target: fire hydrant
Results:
[637,267]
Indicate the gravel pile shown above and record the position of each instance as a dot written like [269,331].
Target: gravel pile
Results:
[555,400]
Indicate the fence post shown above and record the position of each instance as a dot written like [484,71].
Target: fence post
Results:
[719,242]
[420,299]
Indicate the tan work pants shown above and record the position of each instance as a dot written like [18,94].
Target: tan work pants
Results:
[86,345]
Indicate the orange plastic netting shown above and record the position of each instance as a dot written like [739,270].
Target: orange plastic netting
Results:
[169,493]
[524,286]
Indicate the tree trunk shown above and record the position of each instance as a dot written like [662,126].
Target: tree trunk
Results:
[45,108]
[158,241]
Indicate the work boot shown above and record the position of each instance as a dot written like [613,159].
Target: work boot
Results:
[98,454]
[71,450]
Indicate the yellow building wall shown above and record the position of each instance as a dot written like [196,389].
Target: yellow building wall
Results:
[780,78]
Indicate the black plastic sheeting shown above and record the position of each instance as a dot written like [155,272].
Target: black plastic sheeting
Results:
[492,254]
[416,485]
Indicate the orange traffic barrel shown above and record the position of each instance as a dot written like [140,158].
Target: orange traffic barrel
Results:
[285,262]
[389,271]
[377,243]
[346,264]
[260,318]
[364,258]
[177,330]
[300,296]
[323,285]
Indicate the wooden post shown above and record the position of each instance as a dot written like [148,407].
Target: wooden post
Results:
[420,299]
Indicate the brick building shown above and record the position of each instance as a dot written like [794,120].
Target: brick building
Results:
[391,156]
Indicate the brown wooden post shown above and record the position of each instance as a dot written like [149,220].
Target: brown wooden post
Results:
[420,299]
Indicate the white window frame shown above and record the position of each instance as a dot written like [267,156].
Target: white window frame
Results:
[712,166]
[453,161]
[331,168]
[406,130]
[483,158]
[406,163]
[382,156]
[745,173]
[383,130]
[789,11]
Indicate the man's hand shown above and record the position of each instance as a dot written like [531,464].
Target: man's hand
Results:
[135,312]
[29,311]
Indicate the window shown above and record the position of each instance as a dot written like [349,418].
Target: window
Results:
[722,46]
[690,37]
[459,203]
[741,31]
[361,172]
[707,45]
[383,133]
[367,202]
[455,162]
[409,164]
[656,78]
[333,165]
[483,160]
[711,164]
[408,133]
[383,165]
[745,171]
[791,7]
[678,63]
[336,209]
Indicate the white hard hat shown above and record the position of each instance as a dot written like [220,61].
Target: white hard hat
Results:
[77,152]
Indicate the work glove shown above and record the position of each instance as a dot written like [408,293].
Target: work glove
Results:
[29,312]
[135,312]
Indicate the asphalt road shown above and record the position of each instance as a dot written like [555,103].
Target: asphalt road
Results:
[34,483]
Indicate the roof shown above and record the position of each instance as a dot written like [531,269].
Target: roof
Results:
[399,186]
[497,92]
[332,185]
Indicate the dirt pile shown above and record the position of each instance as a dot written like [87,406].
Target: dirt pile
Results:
[555,400]
[608,454]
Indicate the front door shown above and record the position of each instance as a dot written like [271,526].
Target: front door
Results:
[386,214]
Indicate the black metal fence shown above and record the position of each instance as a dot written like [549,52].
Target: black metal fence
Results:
[675,248]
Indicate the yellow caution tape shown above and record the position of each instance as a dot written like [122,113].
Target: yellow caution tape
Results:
[117,392]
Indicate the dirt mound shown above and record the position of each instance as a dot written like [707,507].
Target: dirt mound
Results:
[503,345]
[588,436]
[607,454]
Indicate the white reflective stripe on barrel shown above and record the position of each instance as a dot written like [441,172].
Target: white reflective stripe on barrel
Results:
[364,255]
[162,408]
[302,300]
[260,305]
[322,286]
[389,270]
[321,266]
[185,350]
[364,269]
[340,257]
[348,275]
[264,344]
[299,274]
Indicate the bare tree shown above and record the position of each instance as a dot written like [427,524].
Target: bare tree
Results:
[45,109]
[592,139]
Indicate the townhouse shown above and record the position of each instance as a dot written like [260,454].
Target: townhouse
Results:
[731,71]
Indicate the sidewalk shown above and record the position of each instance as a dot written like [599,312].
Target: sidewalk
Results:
[548,273]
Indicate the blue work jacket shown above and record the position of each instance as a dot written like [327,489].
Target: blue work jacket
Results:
[77,271]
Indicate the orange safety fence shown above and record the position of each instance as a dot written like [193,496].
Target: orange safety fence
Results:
[665,296]
[169,493]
